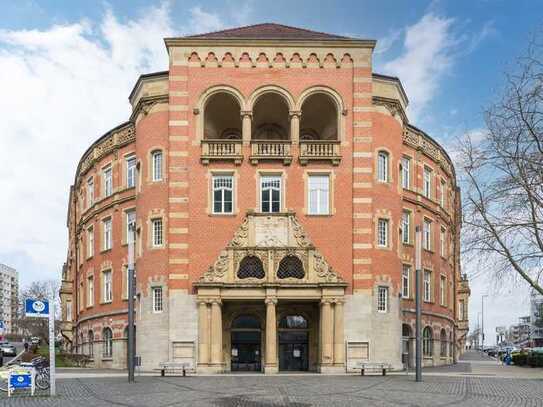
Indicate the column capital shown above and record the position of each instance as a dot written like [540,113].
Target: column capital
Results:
[326,301]
[339,301]
[295,113]
[271,301]
[216,301]
[246,113]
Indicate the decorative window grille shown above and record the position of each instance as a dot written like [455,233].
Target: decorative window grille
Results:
[270,189]
[382,232]
[290,267]
[406,172]
[250,267]
[319,194]
[427,342]
[406,276]
[157,299]
[382,299]
[156,158]
[131,172]
[223,192]
[406,227]
[157,232]
[382,166]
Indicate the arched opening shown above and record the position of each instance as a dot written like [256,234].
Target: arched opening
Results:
[250,267]
[407,345]
[222,117]
[290,267]
[319,119]
[90,340]
[443,343]
[270,118]
[293,343]
[427,342]
[246,333]
[107,343]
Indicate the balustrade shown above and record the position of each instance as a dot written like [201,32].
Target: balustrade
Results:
[222,150]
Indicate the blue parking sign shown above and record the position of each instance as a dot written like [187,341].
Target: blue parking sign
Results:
[20,381]
[36,308]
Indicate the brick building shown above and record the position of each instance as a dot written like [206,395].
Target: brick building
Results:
[275,184]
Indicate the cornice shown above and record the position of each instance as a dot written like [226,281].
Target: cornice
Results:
[392,105]
[269,42]
[145,104]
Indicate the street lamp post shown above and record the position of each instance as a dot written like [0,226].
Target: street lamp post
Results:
[131,340]
[418,305]
[483,324]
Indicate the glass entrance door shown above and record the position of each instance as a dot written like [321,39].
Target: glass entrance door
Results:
[246,340]
[293,350]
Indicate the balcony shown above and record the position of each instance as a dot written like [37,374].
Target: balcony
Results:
[319,150]
[270,150]
[221,150]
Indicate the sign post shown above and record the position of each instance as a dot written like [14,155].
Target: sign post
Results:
[418,305]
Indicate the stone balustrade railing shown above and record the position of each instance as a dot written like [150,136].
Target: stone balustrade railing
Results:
[271,150]
[222,150]
[320,150]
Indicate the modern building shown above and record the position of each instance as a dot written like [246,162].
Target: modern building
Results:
[276,186]
[536,319]
[9,297]
[519,334]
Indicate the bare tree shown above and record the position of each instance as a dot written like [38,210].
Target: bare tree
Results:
[502,178]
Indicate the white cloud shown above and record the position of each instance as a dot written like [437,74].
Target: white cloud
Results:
[203,21]
[385,43]
[63,87]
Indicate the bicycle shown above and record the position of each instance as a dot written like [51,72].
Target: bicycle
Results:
[41,368]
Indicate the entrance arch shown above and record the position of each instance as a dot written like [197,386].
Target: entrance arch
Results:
[246,339]
[294,343]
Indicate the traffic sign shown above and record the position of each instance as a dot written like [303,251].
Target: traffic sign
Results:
[36,308]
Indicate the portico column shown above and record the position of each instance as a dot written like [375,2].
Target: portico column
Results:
[295,126]
[271,336]
[327,332]
[339,346]
[203,333]
[246,124]
[216,332]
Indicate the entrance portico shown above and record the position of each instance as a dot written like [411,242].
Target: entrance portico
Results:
[271,304]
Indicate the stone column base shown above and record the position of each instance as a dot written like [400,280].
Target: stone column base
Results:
[331,369]
[271,369]
[210,369]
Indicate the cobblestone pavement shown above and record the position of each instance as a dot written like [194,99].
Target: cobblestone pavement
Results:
[291,391]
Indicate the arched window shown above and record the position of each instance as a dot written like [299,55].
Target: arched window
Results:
[250,267]
[90,340]
[443,343]
[427,341]
[293,322]
[319,118]
[382,166]
[107,343]
[222,117]
[246,322]
[290,267]
[81,344]
[156,165]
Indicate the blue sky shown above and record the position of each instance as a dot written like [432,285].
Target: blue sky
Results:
[68,68]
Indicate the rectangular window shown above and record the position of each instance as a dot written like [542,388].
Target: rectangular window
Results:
[406,172]
[427,234]
[382,299]
[130,224]
[443,290]
[427,183]
[90,242]
[157,299]
[108,291]
[270,193]
[443,242]
[319,194]
[108,181]
[107,238]
[382,166]
[406,227]
[406,275]
[157,166]
[69,311]
[443,194]
[382,232]
[427,287]
[90,192]
[90,291]
[131,172]
[157,232]
[461,310]
[223,194]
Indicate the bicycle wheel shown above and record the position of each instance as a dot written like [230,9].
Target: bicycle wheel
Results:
[42,379]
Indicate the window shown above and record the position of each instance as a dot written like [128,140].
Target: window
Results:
[131,172]
[108,181]
[270,190]
[130,224]
[108,292]
[443,290]
[90,242]
[157,232]
[406,276]
[443,344]
[427,342]
[107,346]
[90,291]
[443,194]
[427,285]
[319,194]
[156,158]
[382,232]
[382,166]
[157,299]
[461,310]
[406,172]
[90,192]
[68,311]
[443,242]
[406,227]
[427,234]
[107,234]
[223,194]
[427,183]
[90,340]
[382,299]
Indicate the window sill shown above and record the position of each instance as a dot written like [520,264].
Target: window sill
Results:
[89,258]
[106,302]
[105,251]
[223,214]
[107,359]
[429,251]
[319,215]
[408,244]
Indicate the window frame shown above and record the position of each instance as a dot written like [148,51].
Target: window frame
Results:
[271,177]
[131,171]
[90,291]
[90,242]
[427,182]
[157,169]
[427,285]
[427,234]
[127,214]
[406,231]
[321,194]
[382,299]
[385,234]
[406,281]
[427,342]
[90,191]
[443,242]
[107,286]
[223,189]
[155,302]
[107,349]
[443,290]
[406,169]
[383,166]
[107,234]
[107,184]
[154,235]
[443,193]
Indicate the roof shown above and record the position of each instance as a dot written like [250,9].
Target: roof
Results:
[269,31]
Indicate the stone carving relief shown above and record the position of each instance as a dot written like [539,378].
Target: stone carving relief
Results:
[219,268]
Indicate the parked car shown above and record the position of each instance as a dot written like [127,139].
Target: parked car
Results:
[35,340]
[8,349]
